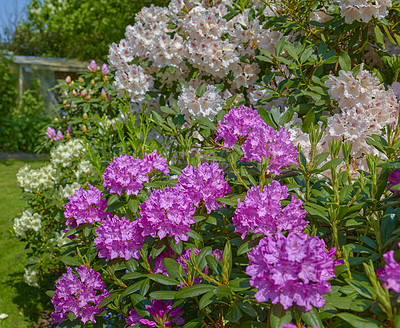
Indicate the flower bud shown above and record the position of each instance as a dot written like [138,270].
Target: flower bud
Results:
[92,82]
[84,116]
[81,80]
[105,79]
[68,136]
[84,128]
[56,120]
[72,83]
[68,79]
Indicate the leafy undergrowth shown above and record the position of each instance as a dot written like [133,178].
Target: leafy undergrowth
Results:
[23,304]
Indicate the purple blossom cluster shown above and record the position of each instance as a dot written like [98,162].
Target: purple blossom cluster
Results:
[292,269]
[129,173]
[262,212]
[162,313]
[119,238]
[85,207]
[51,134]
[79,295]
[167,212]
[390,274]
[206,182]
[257,140]
[394,178]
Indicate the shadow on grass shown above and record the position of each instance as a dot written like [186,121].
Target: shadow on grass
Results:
[31,301]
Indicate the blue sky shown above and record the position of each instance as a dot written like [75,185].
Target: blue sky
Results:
[8,9]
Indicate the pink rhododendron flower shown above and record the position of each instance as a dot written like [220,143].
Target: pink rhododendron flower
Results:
[162,313]
[206,182]
[85,207]
[104,69]
[80,295]
[262,212]
[50,133]
[92,67]
[119,238]
[292,269]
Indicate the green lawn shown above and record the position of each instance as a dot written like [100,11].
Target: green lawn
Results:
[21,302]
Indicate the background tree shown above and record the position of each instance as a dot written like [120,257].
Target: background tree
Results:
[82,29]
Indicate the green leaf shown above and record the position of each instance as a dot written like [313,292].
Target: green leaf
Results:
[279,316]
[223,292]
[200,90]
[192,291]
[357,321]
[232,201]
[204,122]
[247,308]
[172,267]
[133,205]
[162,279]
[362,286]
[388,225]
[207,299]
[163,295]
[71,261]
[344,61]
[108,299]
[234,313]
[379,37]
[226,262]
[312,318]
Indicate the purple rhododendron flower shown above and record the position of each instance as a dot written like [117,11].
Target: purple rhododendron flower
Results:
[85,207]
[262,212]
[238,124]
[167,212]
[104,69]
[79,295]
[390,274]
[69,129]
[394,178]
[206,182]
[292,269]
[126,172]
[92,67]
[257,140]
[162,312]
[119,238]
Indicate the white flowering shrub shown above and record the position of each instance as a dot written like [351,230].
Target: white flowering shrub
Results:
[247,177]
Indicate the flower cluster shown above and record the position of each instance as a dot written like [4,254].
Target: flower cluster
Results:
[167,212]
[65,153]
[292,269]
[208,105]
[391,272]
[85,207]
[31,277]
[126,172]
[262,212]
[363,10]
[27,221]
[68,190]
[187,36]
[51,134]
[394,178]
[161,312]
[79,295]
[257,140]
[206,183]
[119,238]
[36,180]
[366,107]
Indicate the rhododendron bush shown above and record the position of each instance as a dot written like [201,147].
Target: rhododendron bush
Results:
[238,167]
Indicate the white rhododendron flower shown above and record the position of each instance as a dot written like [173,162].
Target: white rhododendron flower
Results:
[363,10]
[27,221]
[30,277]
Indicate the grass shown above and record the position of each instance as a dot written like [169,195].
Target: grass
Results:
[22,303]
